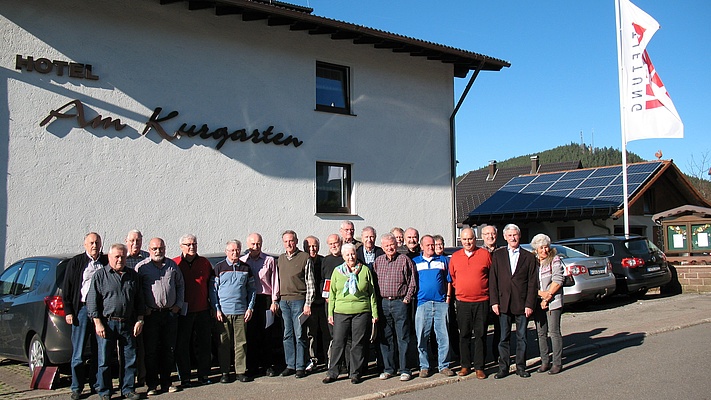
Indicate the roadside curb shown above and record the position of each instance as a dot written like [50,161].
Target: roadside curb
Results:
[529,363]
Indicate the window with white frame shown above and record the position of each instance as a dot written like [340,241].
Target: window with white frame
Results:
[333,188]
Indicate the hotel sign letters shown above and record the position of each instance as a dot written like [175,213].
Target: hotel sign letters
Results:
[45,66]
[75,110]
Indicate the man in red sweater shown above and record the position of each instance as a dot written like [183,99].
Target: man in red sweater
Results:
[469,269]
[195,325]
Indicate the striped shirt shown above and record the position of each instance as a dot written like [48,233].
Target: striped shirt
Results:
[163,286]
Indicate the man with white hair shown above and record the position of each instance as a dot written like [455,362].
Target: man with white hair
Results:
[397,289]
[115,303]
[195,322]
[77,280]
[368,252]
[317,326]
[134,244]
[512,293]
[232,297]
[347,231]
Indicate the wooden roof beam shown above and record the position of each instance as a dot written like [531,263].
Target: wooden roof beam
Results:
[200,4]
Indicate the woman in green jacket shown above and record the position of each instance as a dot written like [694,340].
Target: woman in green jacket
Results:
[352,311]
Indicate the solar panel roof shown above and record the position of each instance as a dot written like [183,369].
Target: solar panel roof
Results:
[561,191]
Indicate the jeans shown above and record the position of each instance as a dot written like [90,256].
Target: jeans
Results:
[357,327]
[159,335]
[295,344]
[395,335]
[194,337]
[121,333]
[506,321]
[548,323]
[80,334]
[432,314]
[233,339]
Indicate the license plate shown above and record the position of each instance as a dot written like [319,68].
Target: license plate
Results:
[596,271]
[653,268]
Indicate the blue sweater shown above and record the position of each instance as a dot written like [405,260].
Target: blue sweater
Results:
[232,291]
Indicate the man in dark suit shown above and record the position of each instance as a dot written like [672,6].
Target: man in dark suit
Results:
[368,252]
[77,280]
[512,291]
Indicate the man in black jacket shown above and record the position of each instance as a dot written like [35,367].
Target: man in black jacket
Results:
[77,280]
[368,252]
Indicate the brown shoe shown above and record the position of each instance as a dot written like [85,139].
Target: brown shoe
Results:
[464,371]
[555,370]
[446,372]
[424,373]
[480,374]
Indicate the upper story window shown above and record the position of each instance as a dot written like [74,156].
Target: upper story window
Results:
[333,188]
[332,88]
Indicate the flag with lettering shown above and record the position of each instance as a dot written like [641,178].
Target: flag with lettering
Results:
[646,109]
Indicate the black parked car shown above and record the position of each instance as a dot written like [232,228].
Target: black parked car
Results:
[32,325]
[637,263]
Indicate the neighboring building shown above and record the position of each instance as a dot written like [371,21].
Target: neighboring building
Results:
[585,202]
[218,118]
[686,232]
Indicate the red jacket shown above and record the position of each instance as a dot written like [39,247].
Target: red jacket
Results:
[197,279]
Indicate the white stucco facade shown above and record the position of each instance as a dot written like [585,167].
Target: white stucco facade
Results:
[63,180]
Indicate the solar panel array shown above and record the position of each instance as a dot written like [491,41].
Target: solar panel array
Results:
[560,191]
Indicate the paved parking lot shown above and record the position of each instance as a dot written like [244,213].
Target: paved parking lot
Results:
[616,321]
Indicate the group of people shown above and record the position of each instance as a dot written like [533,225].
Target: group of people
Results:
[161,313]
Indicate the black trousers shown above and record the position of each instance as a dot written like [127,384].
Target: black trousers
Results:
[265,346]
[472,320]
[357,326]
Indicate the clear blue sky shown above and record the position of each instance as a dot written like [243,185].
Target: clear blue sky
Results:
[563,74]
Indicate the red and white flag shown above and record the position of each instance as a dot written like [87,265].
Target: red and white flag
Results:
[646,109]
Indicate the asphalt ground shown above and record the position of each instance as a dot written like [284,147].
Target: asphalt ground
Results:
[618,321]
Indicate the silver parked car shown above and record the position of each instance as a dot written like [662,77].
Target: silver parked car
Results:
[589,278]
[32,325]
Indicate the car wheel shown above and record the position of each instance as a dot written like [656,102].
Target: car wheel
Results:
[36,354]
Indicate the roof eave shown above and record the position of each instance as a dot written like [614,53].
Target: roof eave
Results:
[278,14]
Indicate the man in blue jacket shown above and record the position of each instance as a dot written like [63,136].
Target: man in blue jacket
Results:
[232,297]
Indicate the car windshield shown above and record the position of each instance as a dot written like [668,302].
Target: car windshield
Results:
[638,247]
[567,252]
[562,251]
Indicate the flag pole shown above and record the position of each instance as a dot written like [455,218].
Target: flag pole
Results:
[621,76]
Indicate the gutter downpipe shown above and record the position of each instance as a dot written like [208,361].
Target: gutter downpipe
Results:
[453,149]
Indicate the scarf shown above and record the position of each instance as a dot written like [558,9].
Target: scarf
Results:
[351,285]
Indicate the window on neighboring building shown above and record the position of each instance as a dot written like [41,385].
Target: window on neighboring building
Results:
[333,188]
[634,230]
[566,232]
[332,84]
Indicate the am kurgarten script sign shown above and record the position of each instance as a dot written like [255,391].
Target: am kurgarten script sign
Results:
[75,110]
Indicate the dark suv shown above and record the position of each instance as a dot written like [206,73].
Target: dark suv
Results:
[637,263]
[32,326]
